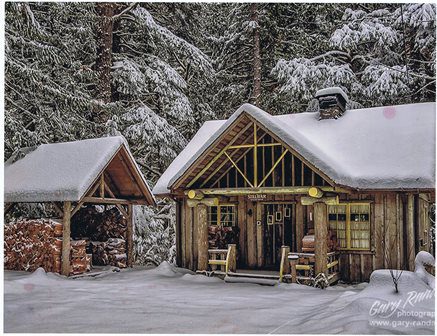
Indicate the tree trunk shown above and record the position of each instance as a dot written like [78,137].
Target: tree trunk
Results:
[256,89]
[105,12]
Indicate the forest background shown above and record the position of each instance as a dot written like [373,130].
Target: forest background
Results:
[154,72]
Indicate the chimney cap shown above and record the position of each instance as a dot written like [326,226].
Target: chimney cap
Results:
[332,91]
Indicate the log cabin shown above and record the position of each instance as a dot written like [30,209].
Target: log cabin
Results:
[346,191]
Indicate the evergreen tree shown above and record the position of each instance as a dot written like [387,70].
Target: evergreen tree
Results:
[380,55]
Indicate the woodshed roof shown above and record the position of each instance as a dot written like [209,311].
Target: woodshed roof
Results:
[66,171]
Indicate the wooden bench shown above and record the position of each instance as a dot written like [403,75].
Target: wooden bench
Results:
[224,259]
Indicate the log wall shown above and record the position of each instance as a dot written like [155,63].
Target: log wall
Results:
[398,220]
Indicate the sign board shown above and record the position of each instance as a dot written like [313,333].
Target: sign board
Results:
[257,197]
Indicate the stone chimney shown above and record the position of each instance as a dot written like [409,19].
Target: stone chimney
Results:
[332,102]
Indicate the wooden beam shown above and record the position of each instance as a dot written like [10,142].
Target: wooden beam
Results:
[66,238]
[259,145]
[93,190]
[273,167]
[102,186]
[209,201]
[238,169]
[220,166]
[267,190]
[113,201]
[332,200]
[320,237]
[129,234]
[76,208]
[210,163]
[223,163]
[318,171]
[123,211]
[202,237]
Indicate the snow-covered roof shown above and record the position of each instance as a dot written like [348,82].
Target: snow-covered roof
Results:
[62,171]
[389,147]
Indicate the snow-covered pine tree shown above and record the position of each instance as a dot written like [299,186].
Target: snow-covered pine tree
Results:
[379,55]
[48,76]
[152,71]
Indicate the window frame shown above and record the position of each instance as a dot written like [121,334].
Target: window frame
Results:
[218,213]
[348,230]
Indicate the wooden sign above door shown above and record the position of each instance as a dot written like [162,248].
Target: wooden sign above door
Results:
[257,197]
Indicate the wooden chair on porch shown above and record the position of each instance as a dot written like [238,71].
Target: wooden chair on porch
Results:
[223,260]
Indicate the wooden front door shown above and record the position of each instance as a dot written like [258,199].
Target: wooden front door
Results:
[277,223]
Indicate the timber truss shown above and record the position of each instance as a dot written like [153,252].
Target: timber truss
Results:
[251,157]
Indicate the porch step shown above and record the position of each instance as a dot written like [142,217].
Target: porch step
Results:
[250,280]
[254,275]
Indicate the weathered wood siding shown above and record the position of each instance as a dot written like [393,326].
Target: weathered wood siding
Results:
[398,221]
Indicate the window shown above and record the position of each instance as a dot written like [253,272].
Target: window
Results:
[351,222]
[222,215]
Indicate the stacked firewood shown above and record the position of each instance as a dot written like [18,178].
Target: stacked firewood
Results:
[99,226]
[308,242]
[33,243]
[116,248]
[112,252]
[29,244]
[220,237]
[105,234]
[80,260]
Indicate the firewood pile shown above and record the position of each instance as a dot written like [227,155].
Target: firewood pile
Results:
[308,242]
[220,237]
[98,226]
[105,233]
[33,243]
[111,252]
[80,260]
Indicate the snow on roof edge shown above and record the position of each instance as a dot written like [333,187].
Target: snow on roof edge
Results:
[343,179]
[60,190]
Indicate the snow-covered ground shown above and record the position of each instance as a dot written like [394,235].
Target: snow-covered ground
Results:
[170,300]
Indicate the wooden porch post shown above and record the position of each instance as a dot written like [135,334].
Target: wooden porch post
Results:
[410,232]
[202,237]
[129,234]
[320,237]
[66,238]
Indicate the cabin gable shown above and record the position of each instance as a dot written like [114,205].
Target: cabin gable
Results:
[248,155]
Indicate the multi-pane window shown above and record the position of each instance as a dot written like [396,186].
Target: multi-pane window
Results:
[222,215]
[351,222]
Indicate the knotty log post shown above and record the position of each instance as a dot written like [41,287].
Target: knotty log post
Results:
[232,262]
[285,263]
[129,234]
[202,237]
[66,238]
[293,262]
[410,232]
[259,236]
[320,237]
